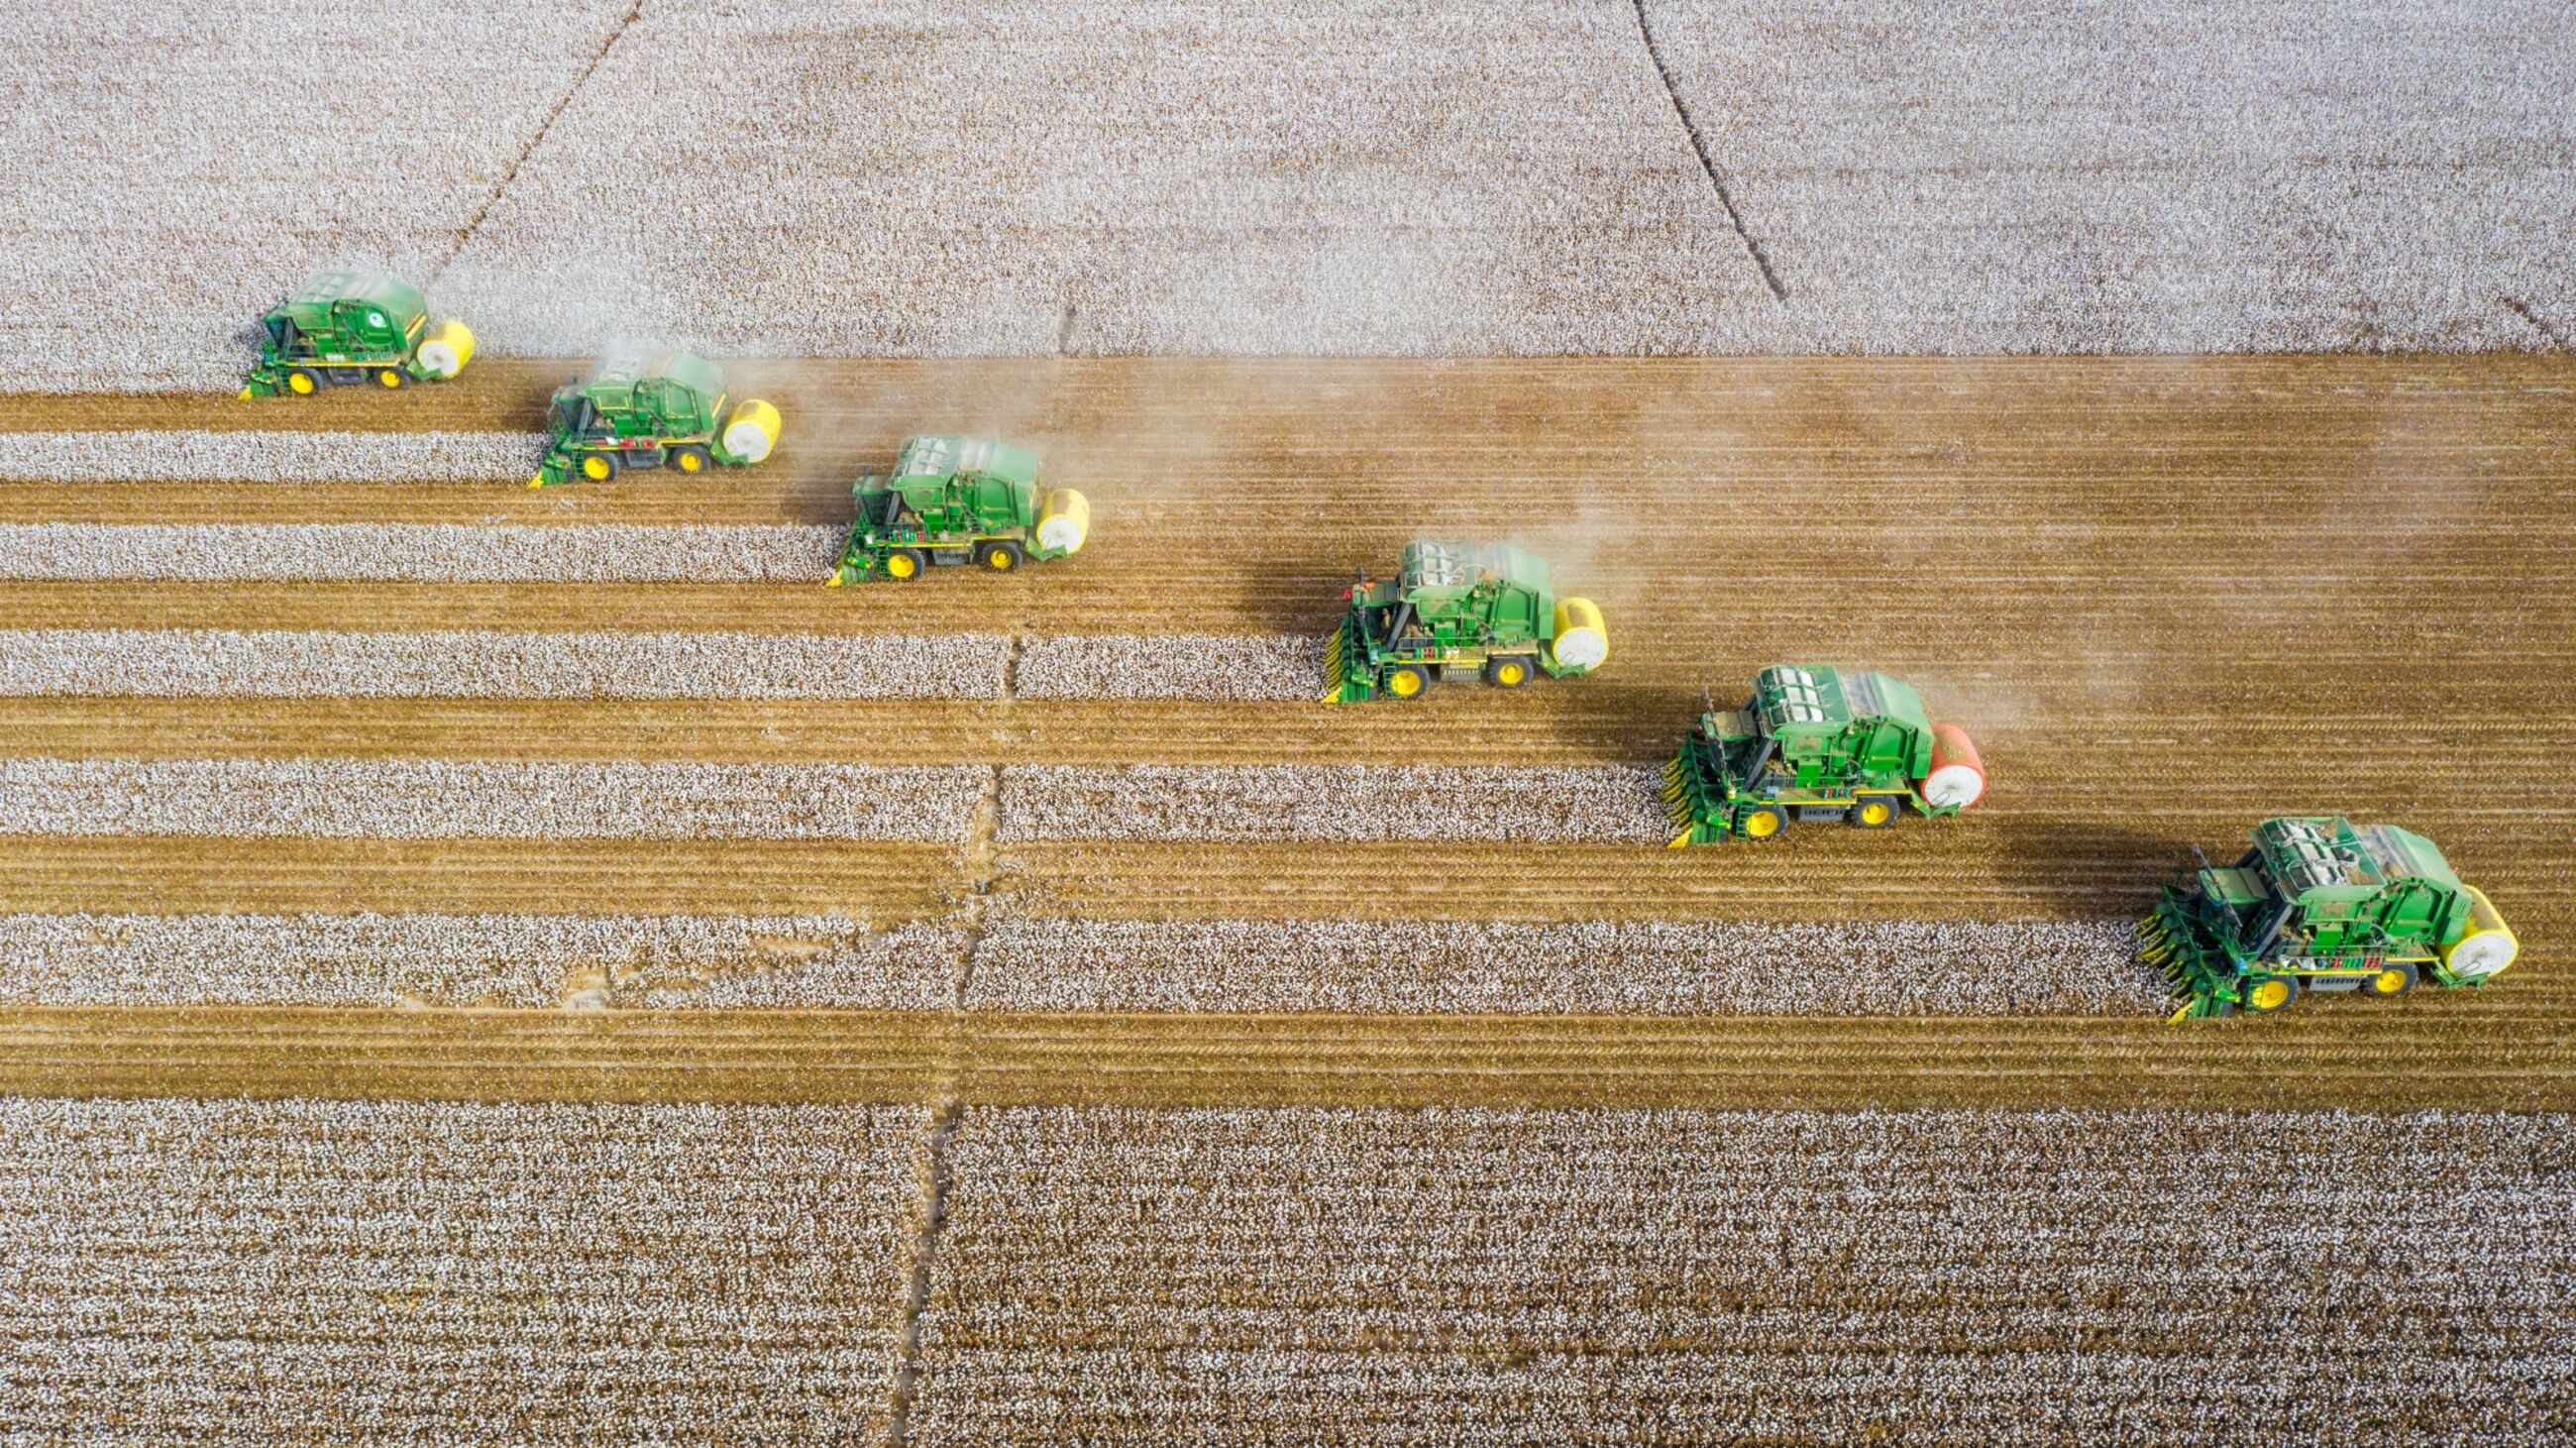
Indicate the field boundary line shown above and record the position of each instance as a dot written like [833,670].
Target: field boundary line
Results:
[2539,323]
[1707,161]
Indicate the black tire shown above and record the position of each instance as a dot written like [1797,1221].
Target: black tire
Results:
[1861,807]
[690,460]
[1509,671]
[314,381]
[905,565]
[598,467]
[390,379]
[1406,681]
[2393,980]
[1751,826]
[998,555]
[2258,988]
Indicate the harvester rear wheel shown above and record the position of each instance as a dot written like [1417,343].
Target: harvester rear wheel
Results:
[389,378]
[303,381]
[1407,681]
[1762,822]
[599,467]
[904,565]
[1875,812]
[2395,980]
[692,460]
[1507,673]
[2271,993]
[998,556]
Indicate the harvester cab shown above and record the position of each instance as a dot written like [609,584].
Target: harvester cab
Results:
[1817,743]
[952,500]
[2322,904]
[1486,609]
[652,410]
[343,328]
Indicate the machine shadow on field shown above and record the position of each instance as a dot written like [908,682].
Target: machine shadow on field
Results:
[2078,867]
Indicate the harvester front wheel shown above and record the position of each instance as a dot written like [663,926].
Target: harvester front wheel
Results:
[2270,993]
[903,565]
[2396,980]
[1874,812]
[303,381]
[1508,673]
[389,378]
[1762,822]
[599,467]
[1407,681]
[692,460]
[998,557]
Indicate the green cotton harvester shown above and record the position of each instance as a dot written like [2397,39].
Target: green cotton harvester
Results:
[1459,609]
[1818,743]
[2322,904]
[652,410]
[347,327]
[958,500]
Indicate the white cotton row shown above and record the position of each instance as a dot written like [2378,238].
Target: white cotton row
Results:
[311,1271]
[2005,1278]
[1333,802]
[1231,668]
[401,799]
[474,960]
[480,664]
[419,552]
[185,455]
[1612,967]
[1909,967]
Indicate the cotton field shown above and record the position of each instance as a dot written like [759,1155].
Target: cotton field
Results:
[523,961]
[481,664]
[1339,802]
[1978,1277]
[1878,967]
[1229,668]
[419,552]
[415,799]
[307,1270]
[187,455]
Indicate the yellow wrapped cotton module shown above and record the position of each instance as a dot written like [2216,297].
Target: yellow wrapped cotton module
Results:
[1064,522]
[446,349]
[1582,641]
[2488,946]
[751,431]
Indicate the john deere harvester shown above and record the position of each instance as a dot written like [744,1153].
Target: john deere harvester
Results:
[2322,904]
[1485,610]
[355,327]
[649,410]
[957,500]
[1817,743]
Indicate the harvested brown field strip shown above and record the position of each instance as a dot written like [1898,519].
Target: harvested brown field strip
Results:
[1347,803]
[474,960]
[198,455]
[1897,967]
[481,665]
[445,799]
[2489,1051]
[417,552]
[276,1271]
[887,882]
[1973,1277]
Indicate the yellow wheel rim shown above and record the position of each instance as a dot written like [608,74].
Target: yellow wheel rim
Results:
[1874,812]
[595,469]
[690,462]
[389,377]
[1762,824]
[1000,560]
[299,384]
[1404,683]
[899,566]
[2271,995]
[2388,982]
[1511,673]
